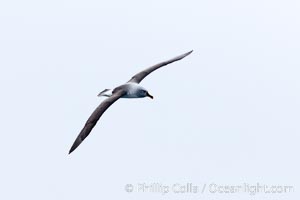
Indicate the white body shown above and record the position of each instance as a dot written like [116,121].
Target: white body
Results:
[131,88]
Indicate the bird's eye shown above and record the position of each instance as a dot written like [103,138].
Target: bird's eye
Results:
[144,92]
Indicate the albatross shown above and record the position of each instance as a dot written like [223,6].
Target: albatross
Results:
[131,89]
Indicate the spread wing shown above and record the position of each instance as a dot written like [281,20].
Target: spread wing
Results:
[141,75]
[91,122]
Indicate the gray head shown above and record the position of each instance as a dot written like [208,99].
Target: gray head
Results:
[144,93]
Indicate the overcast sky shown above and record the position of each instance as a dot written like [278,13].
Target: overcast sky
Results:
[226,115]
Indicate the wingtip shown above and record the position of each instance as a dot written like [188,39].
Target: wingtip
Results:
[186,54]
[70,151]
[72,148]
[191,51]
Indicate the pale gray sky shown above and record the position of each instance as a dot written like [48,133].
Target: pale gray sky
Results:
[228,114]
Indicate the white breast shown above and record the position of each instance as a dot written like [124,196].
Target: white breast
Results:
[132,90]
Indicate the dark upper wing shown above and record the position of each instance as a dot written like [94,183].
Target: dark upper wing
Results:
[91,122]
[141,75]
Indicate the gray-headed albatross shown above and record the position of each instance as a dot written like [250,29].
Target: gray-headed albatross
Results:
[131,89]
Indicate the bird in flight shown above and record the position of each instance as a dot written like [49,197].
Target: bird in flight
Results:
[131,89]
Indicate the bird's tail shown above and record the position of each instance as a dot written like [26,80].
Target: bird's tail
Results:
[105,93]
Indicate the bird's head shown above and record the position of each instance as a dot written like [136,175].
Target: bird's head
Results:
[144,93]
